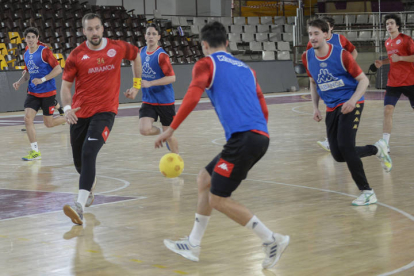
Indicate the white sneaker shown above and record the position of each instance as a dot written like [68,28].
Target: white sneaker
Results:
[184,248]
[91,196]
[74,212]
[324,144]
[383,155]
[274,250]
[366,197]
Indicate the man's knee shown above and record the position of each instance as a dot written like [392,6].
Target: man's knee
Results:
[217,202]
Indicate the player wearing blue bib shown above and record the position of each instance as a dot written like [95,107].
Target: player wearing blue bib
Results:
[42,67]
[339,81]
[339,41]
[239,103]
[157,92]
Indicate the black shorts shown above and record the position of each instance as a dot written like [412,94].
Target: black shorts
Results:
[231,166]
[47,104]
[95,128]
[393,94]
[165,112]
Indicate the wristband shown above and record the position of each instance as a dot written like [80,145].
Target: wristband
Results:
[43,79]
[66,108]
[137,83]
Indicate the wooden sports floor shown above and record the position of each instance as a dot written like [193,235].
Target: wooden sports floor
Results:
[296,189]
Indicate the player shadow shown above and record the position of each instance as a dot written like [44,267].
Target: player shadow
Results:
[89,258]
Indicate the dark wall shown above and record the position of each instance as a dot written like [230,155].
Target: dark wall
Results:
[273,76]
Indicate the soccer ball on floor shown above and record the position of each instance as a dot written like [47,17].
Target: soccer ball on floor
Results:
[171,165]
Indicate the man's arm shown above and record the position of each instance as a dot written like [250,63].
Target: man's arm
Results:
[397,58]
[354,53]
[315,100]
[137,74]
[379,63]
[25,77]
[66,97]
[54,73]
[363,83]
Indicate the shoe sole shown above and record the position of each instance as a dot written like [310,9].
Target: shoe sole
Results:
[166,243]
[322,146]
[93,197]
[72,214]
[282,247]
[37,158]
[370,203]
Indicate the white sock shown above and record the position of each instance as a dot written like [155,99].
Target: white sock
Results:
[200,226]
[260,230]
[386,137]
[34,146]
[83,197]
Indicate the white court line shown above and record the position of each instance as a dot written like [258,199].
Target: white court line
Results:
[126,184]
[410,217]
[301,112]
[201,101]
[218,139]
[34,215]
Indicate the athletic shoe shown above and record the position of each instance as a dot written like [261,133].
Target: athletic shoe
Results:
[366,197]
[91,195]
[33,155]
[75,212]
[383,155]
[324,144]
[274,250]
[184,248]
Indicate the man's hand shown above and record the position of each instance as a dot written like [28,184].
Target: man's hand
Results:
[145,84]
[317,115]
[131,93]
[348,107]
[163,137]
[16,85]
[37,81]
[378,63]
[70,116]
[395,58]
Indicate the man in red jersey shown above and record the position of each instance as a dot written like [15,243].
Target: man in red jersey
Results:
[400,51]
[96,66]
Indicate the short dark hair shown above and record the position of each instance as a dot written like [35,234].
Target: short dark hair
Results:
[90,16]
[395,17]
[32,30]
[319,23]
[214,33]
[330,20]
[152,25]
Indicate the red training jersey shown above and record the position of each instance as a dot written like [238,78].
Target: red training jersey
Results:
[401,73]
[98,76]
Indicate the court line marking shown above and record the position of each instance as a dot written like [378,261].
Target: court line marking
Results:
[96,206]
[126,184]
[301,112]
[410,217]
[201,101]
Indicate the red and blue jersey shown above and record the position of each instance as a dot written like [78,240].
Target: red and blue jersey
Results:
[39,64]
[232,87]
[152,70]
[334,75]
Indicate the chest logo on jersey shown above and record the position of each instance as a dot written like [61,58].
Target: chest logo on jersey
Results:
[147,59]
[101,69]
[147,71]
[31,66]
[323,65]
[326,81]
[398,41]
[111,53]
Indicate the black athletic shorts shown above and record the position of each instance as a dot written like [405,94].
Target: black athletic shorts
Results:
[393,94]
[47,104]
[231,166]
[95,128]
[165,112]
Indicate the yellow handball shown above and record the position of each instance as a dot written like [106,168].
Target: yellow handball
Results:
[171,165]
